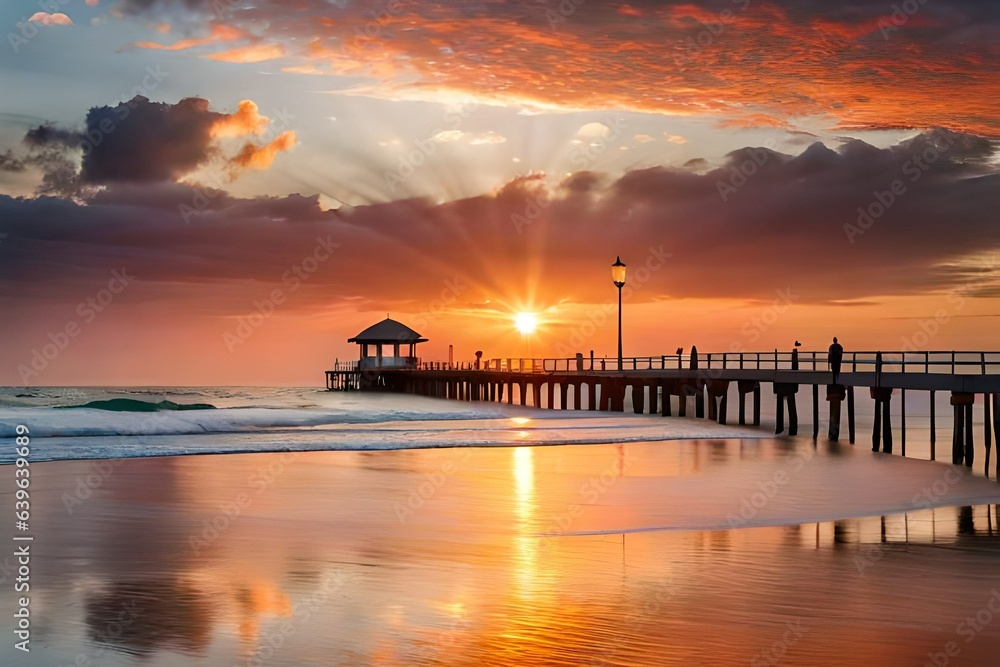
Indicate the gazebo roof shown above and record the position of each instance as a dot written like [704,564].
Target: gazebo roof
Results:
[388,331]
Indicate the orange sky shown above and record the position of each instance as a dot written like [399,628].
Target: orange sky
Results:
[453,164]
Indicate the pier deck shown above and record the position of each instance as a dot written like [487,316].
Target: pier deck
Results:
[652,383]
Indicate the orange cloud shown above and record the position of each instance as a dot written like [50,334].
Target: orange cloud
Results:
[252,156]
[750,64]
[246,120]
[219,33]
[253,53]
[50,19]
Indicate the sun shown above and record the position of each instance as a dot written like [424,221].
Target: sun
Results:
[526,323]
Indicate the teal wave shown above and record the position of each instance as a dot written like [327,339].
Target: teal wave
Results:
[133,405]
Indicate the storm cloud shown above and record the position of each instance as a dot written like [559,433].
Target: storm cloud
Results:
[858,223]
[141,141]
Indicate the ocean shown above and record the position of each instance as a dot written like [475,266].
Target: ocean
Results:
[127,423]
[317,528]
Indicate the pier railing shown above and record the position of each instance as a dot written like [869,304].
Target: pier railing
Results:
[345,366]
[938,361]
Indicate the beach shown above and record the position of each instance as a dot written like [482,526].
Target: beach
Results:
[724,551]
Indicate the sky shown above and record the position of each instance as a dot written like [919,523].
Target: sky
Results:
[223,192]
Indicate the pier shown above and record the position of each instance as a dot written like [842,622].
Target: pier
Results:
[678,383]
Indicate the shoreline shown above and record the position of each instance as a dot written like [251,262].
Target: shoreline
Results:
[448,555]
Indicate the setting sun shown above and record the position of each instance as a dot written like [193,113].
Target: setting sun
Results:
[526,323]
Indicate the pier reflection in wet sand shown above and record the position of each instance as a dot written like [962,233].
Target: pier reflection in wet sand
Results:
[510,556]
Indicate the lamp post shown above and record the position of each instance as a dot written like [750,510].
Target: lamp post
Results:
[618,278]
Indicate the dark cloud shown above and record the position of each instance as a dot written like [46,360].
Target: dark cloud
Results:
[583,181]
[49,135]
[142,141]
[762,221]
[9,162]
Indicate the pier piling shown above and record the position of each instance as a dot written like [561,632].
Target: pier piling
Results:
[961,437]
[785,392]
[835,394]
[882,428]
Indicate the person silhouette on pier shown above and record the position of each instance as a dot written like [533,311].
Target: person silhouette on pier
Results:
[835,357]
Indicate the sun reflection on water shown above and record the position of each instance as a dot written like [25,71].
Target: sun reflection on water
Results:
[526,555]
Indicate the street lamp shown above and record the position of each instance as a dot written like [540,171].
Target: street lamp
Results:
[618,278]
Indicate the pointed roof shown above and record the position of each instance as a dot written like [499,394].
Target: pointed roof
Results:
[388,331]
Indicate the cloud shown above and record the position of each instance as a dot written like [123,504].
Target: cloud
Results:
[786,226]
[448,136]
[471,138]
[644,138]
[246,120]
[674,138]
[51,19]
[593,130]
[749,64]
[252,156]
[148,141]
[253,53]
[8,162]
[487,138]
[144,141]
[50,135]
[218,33]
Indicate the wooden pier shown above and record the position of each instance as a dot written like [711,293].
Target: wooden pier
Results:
[345,376]
[656,385]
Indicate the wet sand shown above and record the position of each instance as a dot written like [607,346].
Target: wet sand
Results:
[511,556]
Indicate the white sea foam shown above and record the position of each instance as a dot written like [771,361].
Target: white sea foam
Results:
[264,420]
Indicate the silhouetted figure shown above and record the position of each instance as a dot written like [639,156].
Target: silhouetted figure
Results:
[835,358]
